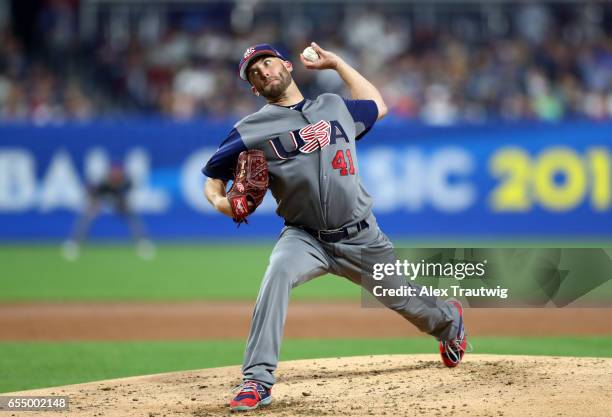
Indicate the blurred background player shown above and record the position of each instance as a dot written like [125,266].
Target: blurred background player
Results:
[111,192]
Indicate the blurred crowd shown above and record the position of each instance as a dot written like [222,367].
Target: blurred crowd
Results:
[441,64]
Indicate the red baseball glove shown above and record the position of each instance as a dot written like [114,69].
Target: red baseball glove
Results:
[250,184]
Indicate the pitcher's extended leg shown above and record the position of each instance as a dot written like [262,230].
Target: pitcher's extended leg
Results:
[296,258]
[356,259]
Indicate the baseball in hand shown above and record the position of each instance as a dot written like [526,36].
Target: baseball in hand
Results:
[310,54]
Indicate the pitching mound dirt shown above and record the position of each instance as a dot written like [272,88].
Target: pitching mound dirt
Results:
[393,385]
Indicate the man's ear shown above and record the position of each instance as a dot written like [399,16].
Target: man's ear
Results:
[254,90]
[288,65]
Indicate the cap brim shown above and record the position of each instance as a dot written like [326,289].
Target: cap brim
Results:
[256,54]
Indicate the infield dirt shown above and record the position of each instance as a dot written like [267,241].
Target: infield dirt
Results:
[222,320]
[392,385]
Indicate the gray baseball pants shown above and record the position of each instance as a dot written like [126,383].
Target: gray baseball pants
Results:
[297,258]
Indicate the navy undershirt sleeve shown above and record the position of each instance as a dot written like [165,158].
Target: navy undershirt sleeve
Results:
[223,163]
[362,111]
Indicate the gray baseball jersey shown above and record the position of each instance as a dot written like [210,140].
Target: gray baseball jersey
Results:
[314,173]
[314,177]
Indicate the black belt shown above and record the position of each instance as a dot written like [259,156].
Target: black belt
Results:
[336,235]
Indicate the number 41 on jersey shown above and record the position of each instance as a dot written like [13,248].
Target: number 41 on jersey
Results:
[339,162]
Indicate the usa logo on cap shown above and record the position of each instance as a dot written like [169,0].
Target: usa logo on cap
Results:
[252,53]
[248,52]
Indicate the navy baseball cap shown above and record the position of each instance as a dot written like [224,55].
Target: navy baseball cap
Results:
[253,52]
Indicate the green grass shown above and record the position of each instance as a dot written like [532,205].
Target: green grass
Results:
[178,272]
[27,365]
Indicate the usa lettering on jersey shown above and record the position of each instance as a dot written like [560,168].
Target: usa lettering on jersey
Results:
[310,138]
[315,135]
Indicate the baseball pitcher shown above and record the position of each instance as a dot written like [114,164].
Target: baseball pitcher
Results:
[305,151]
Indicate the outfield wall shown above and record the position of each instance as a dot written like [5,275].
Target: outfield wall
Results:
[522,180]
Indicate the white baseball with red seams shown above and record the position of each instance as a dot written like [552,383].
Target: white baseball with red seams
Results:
[310,54]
